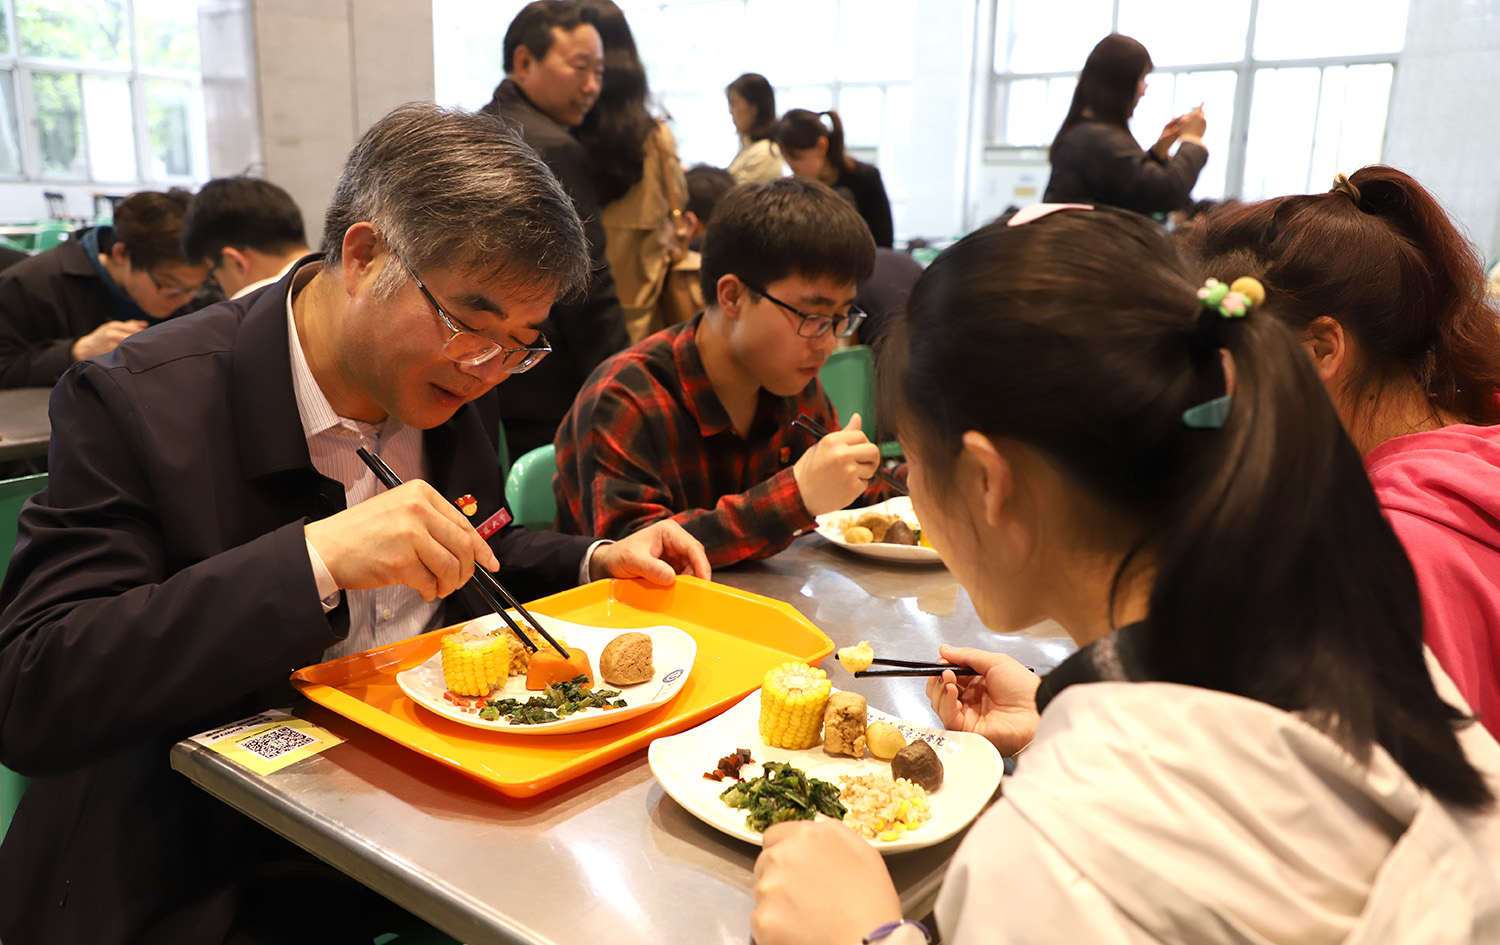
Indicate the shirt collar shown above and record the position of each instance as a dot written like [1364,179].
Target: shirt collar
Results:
[703,401]
[313,407]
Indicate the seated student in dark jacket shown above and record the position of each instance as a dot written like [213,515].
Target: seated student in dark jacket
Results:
[1095,159]
[247,231]
[693,424]
[208,527]
[102,285]
[816,151]
[554,70]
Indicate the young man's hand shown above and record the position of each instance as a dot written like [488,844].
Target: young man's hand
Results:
[836,470]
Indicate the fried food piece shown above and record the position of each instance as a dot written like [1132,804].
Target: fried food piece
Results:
[626,660]
[877,523]
[844,724]
[884,740]
[858,535]
[857,659]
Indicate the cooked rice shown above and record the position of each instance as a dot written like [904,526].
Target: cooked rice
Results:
[881,808]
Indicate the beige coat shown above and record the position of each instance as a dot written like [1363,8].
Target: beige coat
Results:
[1147,813]
[638,233]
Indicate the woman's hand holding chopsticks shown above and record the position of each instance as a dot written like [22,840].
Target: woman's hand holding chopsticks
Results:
[408,535]
[998,703]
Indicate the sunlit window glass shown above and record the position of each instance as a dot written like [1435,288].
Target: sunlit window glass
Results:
[862,110]
[1036,109]
[81,31]
[1283,115]
[817,98]
[169,111]
[1298,29]
[875,40]
[1050,37]
[793,41]
[166,34]
[58,100]
[109,121]
[10,141]
[1187,32]
[1351,120]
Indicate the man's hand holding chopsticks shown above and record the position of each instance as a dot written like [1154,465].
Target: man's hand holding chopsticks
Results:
[657,553]
[837,469]
[408,535]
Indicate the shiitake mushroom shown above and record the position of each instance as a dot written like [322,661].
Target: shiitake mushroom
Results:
[920,765]
[899,533]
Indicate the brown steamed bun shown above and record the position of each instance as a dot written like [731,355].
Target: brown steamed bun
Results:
[627,660]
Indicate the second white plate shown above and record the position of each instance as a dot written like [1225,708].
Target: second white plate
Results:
[971,766]
[831,526]
[673,652]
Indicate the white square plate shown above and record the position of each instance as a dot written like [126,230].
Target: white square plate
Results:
[971,772]
[673,651]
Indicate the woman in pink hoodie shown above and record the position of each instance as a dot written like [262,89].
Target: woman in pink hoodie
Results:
[1389,299]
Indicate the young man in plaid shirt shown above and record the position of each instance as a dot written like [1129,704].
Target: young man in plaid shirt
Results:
[694,423]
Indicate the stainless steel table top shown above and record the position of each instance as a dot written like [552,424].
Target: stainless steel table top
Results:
[608,857]
[25,429]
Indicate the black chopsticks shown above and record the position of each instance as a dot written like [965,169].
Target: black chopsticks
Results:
[488,586]
[818,430]
[916,668]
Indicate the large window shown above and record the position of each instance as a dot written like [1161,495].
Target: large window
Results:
[1294,90]
[100,90]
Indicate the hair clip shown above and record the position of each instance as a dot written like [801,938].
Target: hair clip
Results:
[1036,211]
[1209,415]
[1234,300]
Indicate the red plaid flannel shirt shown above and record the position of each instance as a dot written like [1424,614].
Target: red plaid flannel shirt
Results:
[648,439]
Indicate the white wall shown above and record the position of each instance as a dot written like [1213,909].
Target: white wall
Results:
[1442,128]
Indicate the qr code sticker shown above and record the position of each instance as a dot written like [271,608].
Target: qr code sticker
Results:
[277,742]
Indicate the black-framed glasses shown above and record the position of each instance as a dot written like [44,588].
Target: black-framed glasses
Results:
[813,325]
[469,348]
[172,291]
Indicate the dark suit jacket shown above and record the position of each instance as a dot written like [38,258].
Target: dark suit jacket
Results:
[161,587]
[47,302]
[583,330]
[1099,163]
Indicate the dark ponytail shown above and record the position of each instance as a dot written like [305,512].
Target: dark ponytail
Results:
[1379,255]
[1276,578]
[615,130]
[800,129]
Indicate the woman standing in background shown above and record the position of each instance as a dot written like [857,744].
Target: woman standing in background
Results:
[816,150]
[752,106]
[632,159]
[1096,160]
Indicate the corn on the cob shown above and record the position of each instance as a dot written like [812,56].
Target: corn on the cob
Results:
[792,699]
[520,657]
[474,665]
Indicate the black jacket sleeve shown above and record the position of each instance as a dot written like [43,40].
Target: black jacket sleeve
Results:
[36,347]
[1096,163]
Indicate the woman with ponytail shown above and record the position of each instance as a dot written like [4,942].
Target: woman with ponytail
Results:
[816,151]
[1250,745]
[1388,299]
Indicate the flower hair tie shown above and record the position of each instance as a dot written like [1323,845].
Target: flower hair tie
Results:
[1224,301]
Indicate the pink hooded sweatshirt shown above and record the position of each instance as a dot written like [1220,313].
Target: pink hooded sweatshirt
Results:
[1441,492]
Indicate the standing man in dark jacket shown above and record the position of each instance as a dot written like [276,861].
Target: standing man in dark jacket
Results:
[554,65]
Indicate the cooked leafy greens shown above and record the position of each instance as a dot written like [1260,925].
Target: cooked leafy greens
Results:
[554,702]
[783,793]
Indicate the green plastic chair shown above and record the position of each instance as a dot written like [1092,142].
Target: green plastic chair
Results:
[13,494]
[528,488]
[50,234]
[848,376]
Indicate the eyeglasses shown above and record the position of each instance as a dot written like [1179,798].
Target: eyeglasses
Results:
[469,348]
[814,325]
[171,291]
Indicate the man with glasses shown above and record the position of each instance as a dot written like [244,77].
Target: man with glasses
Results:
[97,288]
[694,425]
[554,69]
[247,231]
[209,527]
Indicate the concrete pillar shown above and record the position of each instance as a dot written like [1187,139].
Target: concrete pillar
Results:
[291,84]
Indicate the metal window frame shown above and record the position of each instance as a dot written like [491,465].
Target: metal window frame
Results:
[22,68]
[1245,69]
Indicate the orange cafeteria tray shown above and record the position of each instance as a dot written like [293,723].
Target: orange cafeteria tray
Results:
[740,635]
